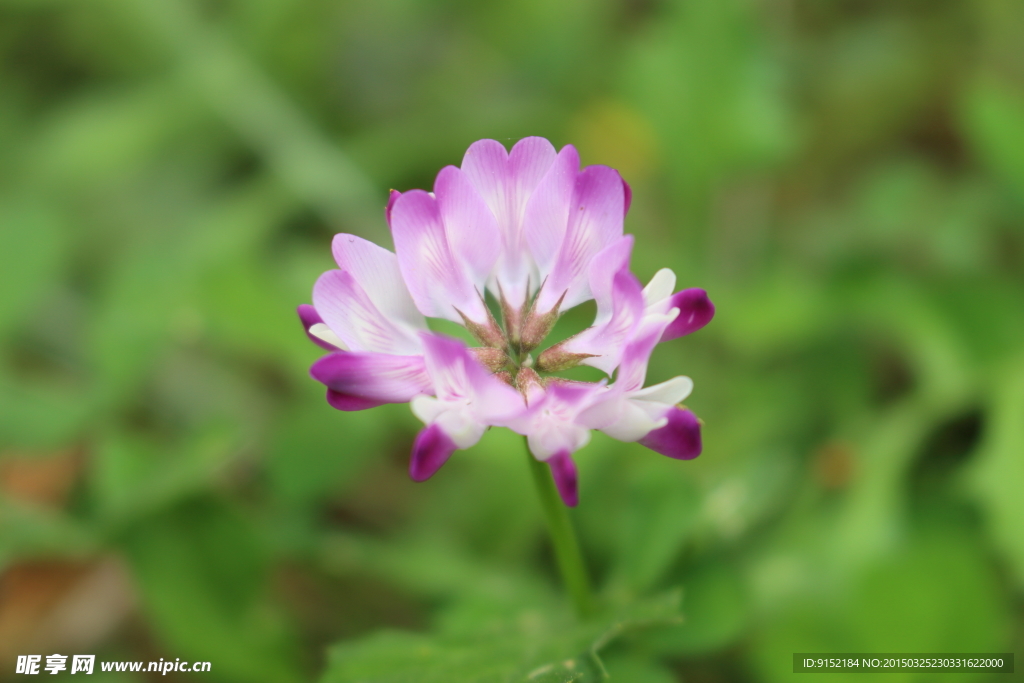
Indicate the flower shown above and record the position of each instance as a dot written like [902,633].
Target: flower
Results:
[542,236]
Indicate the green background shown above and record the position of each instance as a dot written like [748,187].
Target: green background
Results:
[845,178]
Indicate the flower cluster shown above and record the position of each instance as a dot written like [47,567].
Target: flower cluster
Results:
[542,236]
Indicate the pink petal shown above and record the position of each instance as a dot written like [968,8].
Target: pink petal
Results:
[679,439]
[436,280]
[550,424]
[603,269]
[607,341]
[457,375]
[595,221]
[309,317]
[486,165]
[377,272]
[563,471]
[628,197]
[430,451]
[469,224]
[637,353]
[695,311]
[352,315]
[547,212]
[506,181]
[373,377]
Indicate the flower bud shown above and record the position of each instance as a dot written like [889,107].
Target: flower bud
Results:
[530,384]
[488,334]
[513,319]
[555,359]
[493,359]
[537,326]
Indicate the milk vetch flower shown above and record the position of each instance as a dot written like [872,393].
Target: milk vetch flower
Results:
[540,235]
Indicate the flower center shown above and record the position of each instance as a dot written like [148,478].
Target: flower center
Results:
[507,349]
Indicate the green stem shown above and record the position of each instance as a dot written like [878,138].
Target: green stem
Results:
[563,538]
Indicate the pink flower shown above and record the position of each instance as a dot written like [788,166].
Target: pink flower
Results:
[542,236]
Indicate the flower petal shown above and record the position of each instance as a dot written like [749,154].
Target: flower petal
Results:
[349,402]
[606,264]
[430,451]
[506,181]
[347,309]
[606,342]
[458,376]
[669,392]
[378,377]
[377,272]
[437,282]
[317,330]
[595,220]
[695,311]
[621,416]
[563,471]
[679,439]
[659,289]
[485,163]
[470,226]
[637,353]
[550,424]
[546,215]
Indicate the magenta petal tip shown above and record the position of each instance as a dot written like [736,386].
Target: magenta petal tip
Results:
[563,470]
[350,402]
[695,311]
[430,451]
[679,439]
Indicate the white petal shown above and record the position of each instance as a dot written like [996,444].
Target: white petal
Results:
[660,287]
[324,333]
[634,422]
[671,392]
[426,408]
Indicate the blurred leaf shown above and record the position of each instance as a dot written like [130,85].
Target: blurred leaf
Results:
[200,570]
[660,513]
[30,530]
[935,593]
[705,83]
[716,611]
[42,414]
[999,469]
[134,476]
[521,645]
[317,450]
[994,121]
[31,249]
[106,136]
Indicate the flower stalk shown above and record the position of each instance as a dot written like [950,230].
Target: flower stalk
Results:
[567,549]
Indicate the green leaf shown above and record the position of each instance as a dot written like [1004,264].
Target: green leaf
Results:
[200,571]
[717,611]
[31,247]
[994,119]
[999,470]
[133,476]
[662,511]
[509,645]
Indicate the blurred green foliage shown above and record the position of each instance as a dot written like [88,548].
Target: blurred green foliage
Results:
[845,177]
